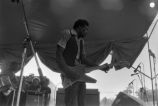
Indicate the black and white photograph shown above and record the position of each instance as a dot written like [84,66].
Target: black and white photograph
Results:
[78,52]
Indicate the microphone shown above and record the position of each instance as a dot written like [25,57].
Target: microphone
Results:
[134,74]
[15,1]
[151,53]
[136,69]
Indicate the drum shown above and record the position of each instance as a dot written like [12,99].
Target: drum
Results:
[5,82]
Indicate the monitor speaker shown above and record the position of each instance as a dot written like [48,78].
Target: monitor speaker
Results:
[124,99]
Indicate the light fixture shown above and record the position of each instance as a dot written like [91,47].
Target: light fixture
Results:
[152,4]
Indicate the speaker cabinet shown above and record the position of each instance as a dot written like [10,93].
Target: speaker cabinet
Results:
[35,99]
[91,99]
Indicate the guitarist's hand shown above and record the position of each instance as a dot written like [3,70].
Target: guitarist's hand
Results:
[106,67]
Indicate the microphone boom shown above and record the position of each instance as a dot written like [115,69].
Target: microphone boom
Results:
[136,69]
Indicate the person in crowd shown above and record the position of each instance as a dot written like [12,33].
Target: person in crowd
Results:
[9,83]
[35,85]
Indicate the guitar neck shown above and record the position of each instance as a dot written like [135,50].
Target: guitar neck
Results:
[121,63]
[89,69]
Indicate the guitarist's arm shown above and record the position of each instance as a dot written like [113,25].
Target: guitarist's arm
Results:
[89,63]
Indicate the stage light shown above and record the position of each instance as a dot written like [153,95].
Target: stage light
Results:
[152,4]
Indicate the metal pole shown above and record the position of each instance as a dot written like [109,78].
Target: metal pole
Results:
[155,81]
[150,60]
[151,73]
[142,73]
[30,41]
[146,97]
[142,96]
[144,80]
[21,77]
[153,29]
[27,40]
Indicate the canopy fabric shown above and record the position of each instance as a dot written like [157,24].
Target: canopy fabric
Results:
[127,51]
[110,21]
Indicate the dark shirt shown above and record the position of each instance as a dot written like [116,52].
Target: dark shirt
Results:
[69,42]
[70,52]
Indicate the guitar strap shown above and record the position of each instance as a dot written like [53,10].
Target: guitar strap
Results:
[81,51]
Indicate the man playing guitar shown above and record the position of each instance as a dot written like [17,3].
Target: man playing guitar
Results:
[70,55]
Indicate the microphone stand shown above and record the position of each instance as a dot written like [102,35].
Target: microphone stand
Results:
[141,72]
[141,80]
[27,41]
[131,83]
[143,87]
[150,61]
[151,73]
[151,78]
[141,84]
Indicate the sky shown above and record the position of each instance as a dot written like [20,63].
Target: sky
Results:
[111,83]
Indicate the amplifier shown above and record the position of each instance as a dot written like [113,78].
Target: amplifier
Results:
[91,99]
[35,99]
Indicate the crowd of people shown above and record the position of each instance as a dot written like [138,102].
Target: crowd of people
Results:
[32,85]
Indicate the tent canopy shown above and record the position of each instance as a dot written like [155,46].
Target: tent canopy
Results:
[114,25]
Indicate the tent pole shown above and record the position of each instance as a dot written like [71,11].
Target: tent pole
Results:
[153,29]
[154,61]
[27,41]
[21,77]
[30,40]
[151,73]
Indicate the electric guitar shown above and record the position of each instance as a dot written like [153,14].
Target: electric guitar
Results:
[82,69]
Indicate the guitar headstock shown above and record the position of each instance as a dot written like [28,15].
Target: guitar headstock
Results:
[122,64]
[106,67]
